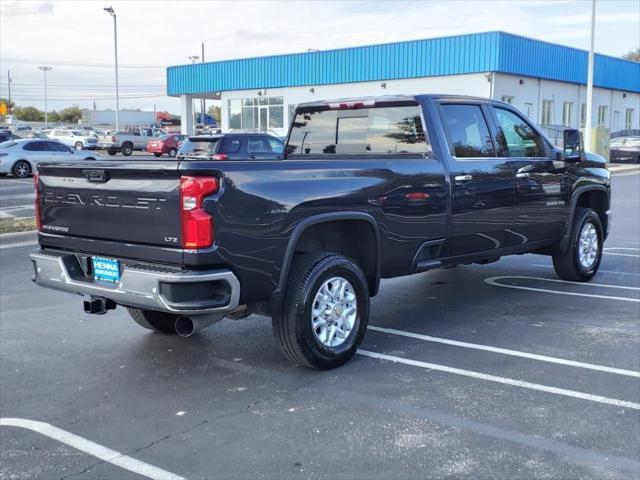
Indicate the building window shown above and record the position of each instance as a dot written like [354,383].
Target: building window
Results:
[583,115]
[602,116]
[507,99]
[292,111]
[262,113]
[628,119]
[567,108]
[547,112]
[528,107]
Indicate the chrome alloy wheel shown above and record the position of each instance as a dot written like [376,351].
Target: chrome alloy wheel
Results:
[334,312]
[588,246]
[22,169]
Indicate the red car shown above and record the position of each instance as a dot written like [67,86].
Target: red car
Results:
[165,144]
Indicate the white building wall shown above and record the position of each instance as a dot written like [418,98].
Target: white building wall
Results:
[469,84]
[528,96]
[533,91]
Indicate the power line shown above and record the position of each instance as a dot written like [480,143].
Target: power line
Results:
[64,63]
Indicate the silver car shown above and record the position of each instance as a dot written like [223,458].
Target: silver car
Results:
[21,157]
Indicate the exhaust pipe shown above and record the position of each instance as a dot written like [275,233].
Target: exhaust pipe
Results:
[187,326]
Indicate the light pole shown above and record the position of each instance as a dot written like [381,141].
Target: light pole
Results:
[112,12]
[194,59]
[45,69]
[587,121]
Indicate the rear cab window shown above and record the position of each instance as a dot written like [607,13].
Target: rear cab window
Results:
[199,147]
[378,130]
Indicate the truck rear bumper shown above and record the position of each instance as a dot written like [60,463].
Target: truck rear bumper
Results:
[180,292]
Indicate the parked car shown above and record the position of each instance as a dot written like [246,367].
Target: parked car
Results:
[368,188]
[78,139]
[133,138]
[166,144]
[21,157]
[233,146]
[624,149]
[8,135]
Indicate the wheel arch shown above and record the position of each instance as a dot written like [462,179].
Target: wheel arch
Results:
[596,197]
[302,240]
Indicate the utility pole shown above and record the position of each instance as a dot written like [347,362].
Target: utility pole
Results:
[112,12]
[203,105]
[45,69]
[587,122]
[194,59]
[9,88]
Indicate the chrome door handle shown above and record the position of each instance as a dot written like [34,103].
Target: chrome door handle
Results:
[523,175]
[463,178]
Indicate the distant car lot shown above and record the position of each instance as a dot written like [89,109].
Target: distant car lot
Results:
[496,371]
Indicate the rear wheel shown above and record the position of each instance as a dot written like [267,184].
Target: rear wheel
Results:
[152,320]
[157,154]
[127,149]
[79,146]
[112,151]
[172,152]
[325,312]
[21,169]
[582,259]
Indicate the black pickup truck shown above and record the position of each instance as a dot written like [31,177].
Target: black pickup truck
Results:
[368,188]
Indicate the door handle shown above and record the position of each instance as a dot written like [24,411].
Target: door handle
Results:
[463,178]
[523,175]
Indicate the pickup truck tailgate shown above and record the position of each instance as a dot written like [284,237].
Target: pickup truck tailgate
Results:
[128,202]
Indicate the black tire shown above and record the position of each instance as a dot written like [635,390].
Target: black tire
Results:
[89,158]
[79,146]
[21,169]
[292,327]
[126,149]
[172,152]
[157,321]
[112,151]
[568,265]
[157,154]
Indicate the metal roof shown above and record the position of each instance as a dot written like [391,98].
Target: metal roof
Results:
[479,52]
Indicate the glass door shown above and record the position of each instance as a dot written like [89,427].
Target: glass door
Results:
[263,124]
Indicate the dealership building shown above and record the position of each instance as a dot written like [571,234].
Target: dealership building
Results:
[545,81]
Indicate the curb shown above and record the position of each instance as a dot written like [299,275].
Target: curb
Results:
[18,237]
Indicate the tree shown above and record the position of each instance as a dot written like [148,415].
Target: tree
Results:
[70,115]
[215,112]
[28,114]
[633,55]
[53,116]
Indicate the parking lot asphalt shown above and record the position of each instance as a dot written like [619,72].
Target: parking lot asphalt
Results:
[458,377]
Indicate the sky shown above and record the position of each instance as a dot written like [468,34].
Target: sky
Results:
[75,37]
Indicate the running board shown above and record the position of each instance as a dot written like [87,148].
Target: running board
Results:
[429,264]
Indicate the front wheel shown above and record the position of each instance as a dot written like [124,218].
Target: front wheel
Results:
[581,260]
[172,152]
[152,320]
[127,150]
[157,154]
[325,312]
[112,151]
[21,169]
[79,146]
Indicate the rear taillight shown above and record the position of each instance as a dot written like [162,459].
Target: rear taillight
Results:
[36,182]
[197,224]
[220,156]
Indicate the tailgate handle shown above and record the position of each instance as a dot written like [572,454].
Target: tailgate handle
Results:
[96,176]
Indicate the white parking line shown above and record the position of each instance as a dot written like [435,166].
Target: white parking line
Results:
[623,254]
[494,281]
[18,195]
[103,453]
[506,351]
[502,380]
[600,270]
[634,249]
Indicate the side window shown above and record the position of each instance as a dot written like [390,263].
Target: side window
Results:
[517,136]
[276,145]
[258,145]
[56,147]
[34,147]
[467,130]
[230,145]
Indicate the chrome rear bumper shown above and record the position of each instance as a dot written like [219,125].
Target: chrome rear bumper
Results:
[142,286]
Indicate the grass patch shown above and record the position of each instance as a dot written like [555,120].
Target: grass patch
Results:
[10,225]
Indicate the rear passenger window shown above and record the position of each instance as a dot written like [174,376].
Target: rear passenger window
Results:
[467,130]
[365,131]
[258,145]
[230,145]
